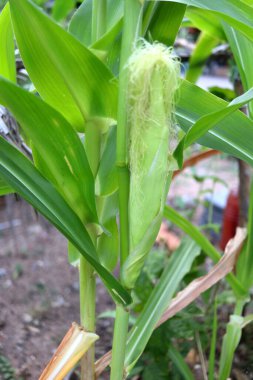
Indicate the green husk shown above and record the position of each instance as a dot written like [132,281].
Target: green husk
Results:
[153,81]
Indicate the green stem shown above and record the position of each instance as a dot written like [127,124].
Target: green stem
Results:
[119,343]
[131,30]
[87,314]
[230,343]
[99,8]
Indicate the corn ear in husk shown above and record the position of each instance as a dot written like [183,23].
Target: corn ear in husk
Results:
[153,80]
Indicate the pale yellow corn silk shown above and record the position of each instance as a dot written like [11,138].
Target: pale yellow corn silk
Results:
[153,80]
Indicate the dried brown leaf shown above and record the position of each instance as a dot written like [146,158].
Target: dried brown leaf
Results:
[73,346]
[201,284]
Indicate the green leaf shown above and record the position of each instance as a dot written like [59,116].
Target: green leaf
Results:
[108,245]
[201,53]
[232,135]
[107,176]
[59,149]
[5,188]
[207,21]
[203,242]
[62,8]
[73,255]
[7,48]
[242,49]
[22,176]
[165,22]
[235,12]
[207,122]
[180,363]
[65,73]
[108,242]
[179,264]
[81,23]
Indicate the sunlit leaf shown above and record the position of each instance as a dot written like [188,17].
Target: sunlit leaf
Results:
[7,53]
[208,121]
[232,135]
[235,12]
[65,73]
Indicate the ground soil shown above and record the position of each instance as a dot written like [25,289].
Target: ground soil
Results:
[39,291]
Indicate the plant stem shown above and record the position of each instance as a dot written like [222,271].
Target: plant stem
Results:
[119,343]
[87,275]
[131,30]
[87,314]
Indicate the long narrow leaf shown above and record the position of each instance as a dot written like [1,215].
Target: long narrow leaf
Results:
[81,23]
[235,12]
[7,55]
[166,22]
[176,269]
[208,121]
[180,363]
[22,176]
[65,73]
[5,188]
[60,149]
[236,139]
[242,49]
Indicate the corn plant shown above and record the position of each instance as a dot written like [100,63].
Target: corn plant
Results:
[101,125]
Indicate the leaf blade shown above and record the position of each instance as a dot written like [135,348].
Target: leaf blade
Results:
[7,48]
[60,149]
[20,173]
[62,69]
[195,102]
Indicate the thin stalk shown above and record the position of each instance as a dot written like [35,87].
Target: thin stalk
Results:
[99,8]
[119,343]
[201,356]
[87,314]
[131,30]
[230,342]
[87,275]
[211,362]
